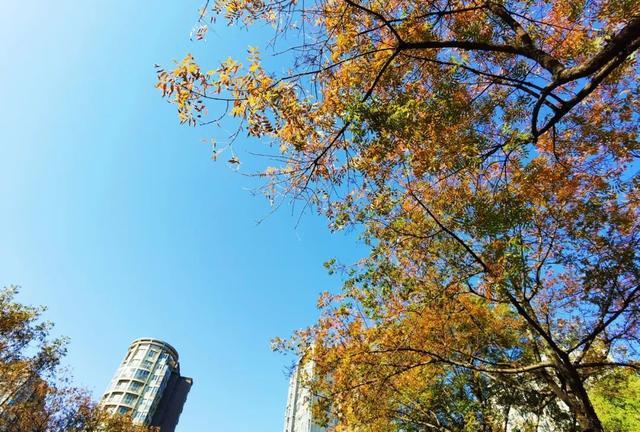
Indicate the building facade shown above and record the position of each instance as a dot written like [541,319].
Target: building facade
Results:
[22,395]
[298,416]
[148,385]
[19,388]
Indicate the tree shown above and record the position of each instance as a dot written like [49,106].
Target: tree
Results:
[34,395]
[616,399]
[489,150]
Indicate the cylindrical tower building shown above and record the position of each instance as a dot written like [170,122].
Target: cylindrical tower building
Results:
[139,383]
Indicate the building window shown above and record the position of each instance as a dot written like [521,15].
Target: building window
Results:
[140,352]
[129,398]
[142,375]
[123,410]
[135,386]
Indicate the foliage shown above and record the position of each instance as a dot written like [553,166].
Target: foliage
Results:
[489,150]
[34,395]
[616,399]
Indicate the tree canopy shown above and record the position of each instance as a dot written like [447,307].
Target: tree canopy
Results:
[489,151]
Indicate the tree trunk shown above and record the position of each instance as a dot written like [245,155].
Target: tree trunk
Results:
[585,413]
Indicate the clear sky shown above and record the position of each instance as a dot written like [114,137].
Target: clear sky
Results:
[114,216]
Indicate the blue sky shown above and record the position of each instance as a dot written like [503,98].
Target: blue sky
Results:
[114,216]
